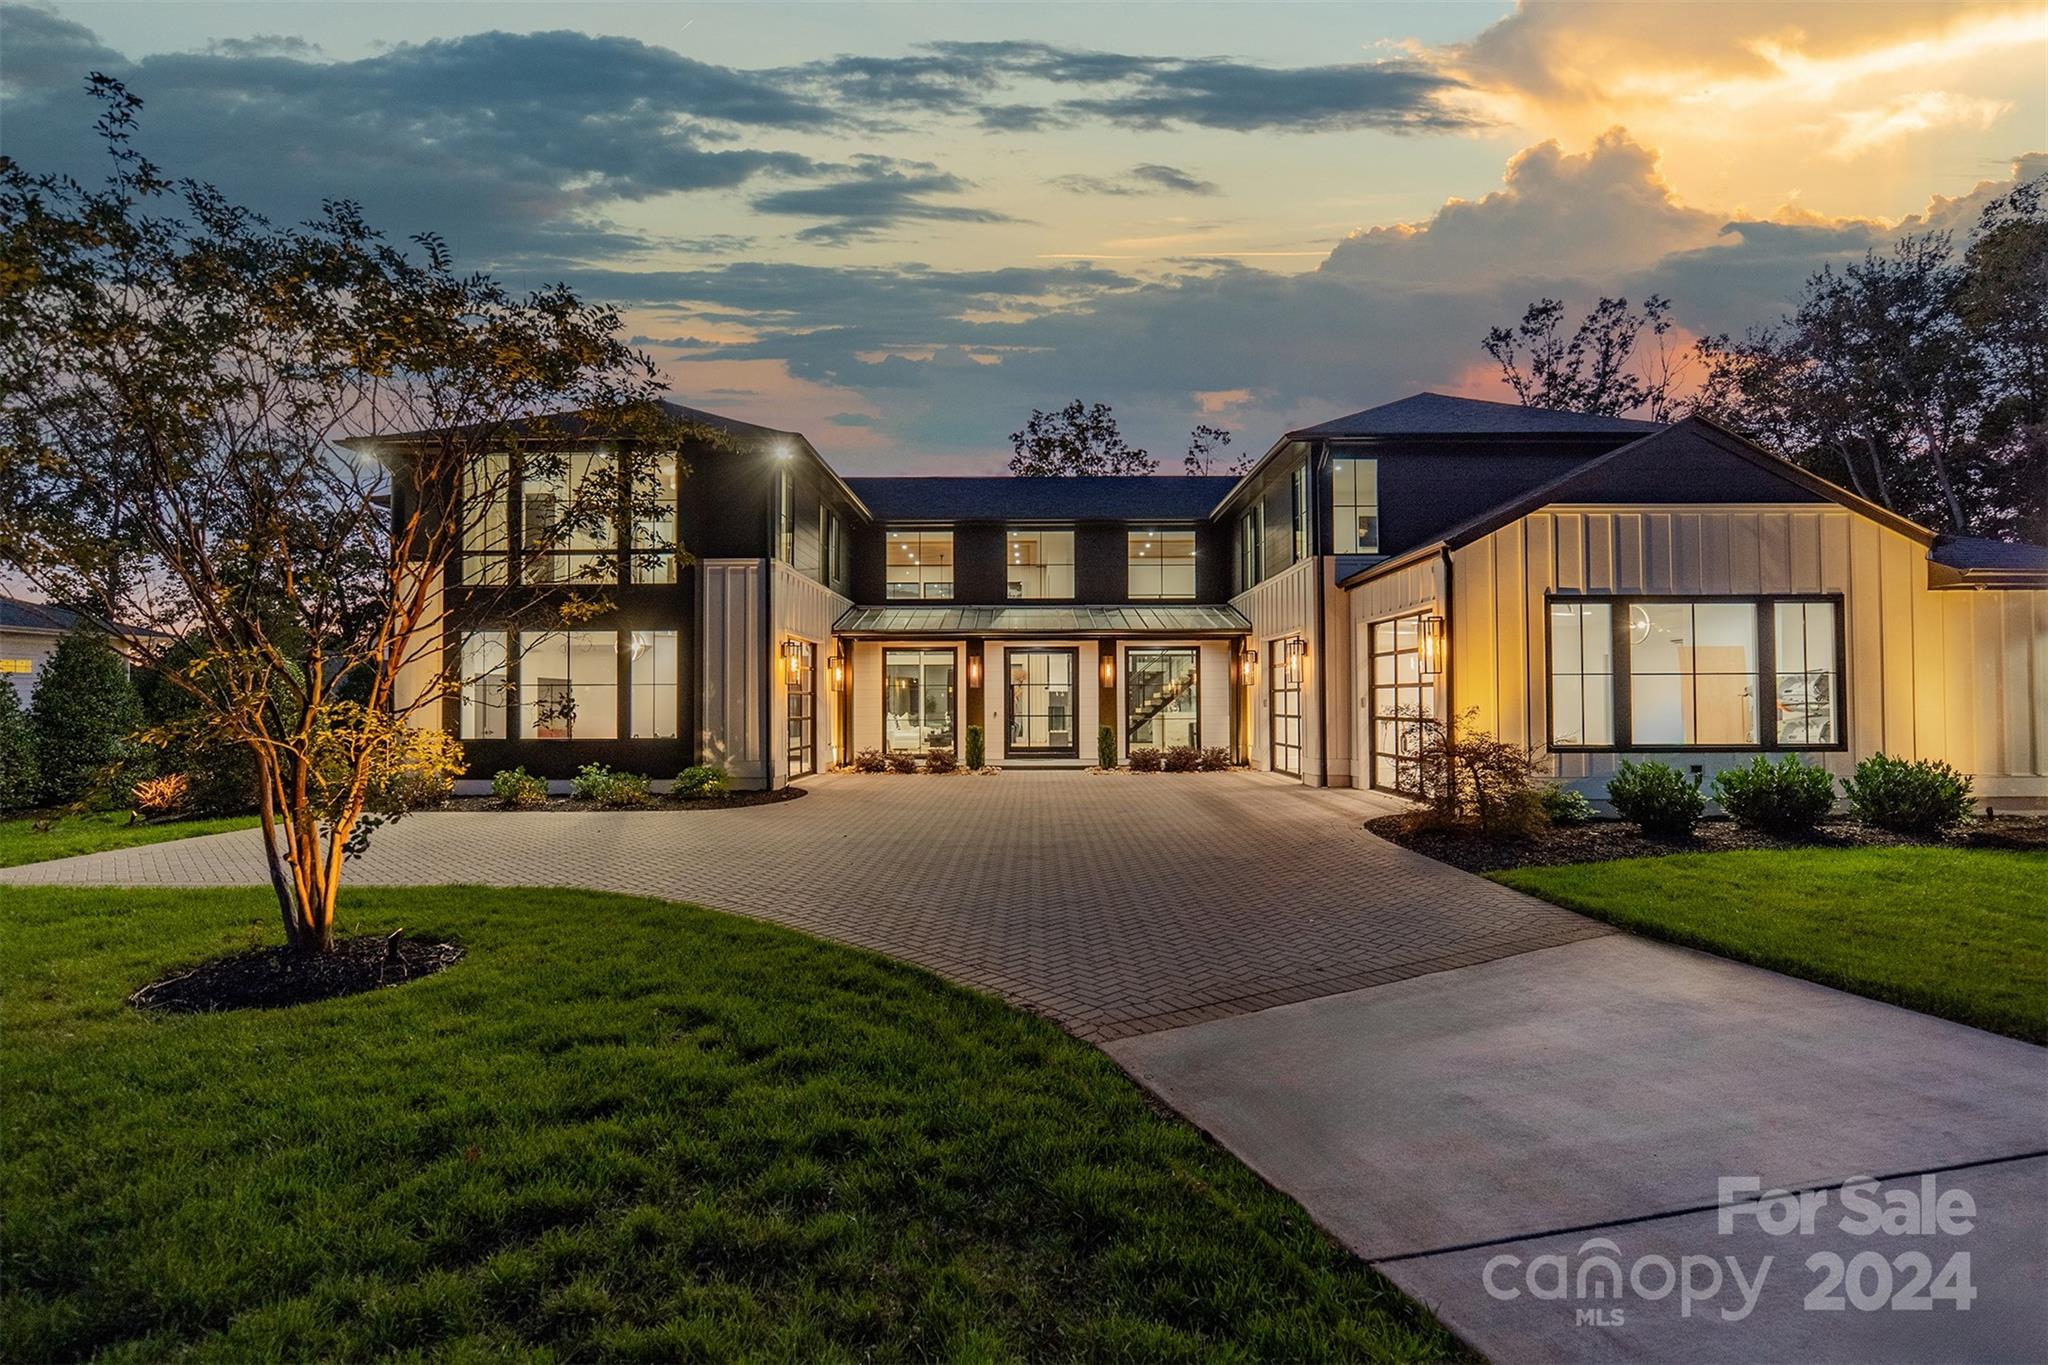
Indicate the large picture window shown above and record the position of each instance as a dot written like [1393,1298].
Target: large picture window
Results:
[1041,703]
[1284,674]
[1041,564]
[654,538]
[917,699]
[918,564]
[656,671]
[1402,699]
[1355,506]
[1161,566]
[1162,698]
[569,685]
[487,521]
[563,509]
[1702,673]
[565,526]
[483,685]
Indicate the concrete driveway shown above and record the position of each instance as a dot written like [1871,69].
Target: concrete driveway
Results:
[1451,1077]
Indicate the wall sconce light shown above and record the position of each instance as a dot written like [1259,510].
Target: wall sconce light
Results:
[1248,667]
[1429,645]
[835,671]
[1109,670]
[1297,652]
[973,670]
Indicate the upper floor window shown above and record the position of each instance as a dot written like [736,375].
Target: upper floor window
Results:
[785,516]
[1162,565]
[487,519]
[563,510]
[567,527]
[919,563]
[1251,535]
[1041,564]
[1299,488]
[835,546]
[654,538]
[1355,506]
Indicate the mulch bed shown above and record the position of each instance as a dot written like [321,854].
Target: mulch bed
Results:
[562,803]
[1604,840]
[268,978]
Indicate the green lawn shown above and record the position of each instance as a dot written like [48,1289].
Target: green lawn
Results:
[1958,933]
[619,1128]
[71,835]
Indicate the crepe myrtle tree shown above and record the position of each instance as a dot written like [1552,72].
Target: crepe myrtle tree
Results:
[190,396]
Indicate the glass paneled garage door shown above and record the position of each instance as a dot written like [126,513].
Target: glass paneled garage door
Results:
[1401,697]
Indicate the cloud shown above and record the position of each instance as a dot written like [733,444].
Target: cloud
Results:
[879,194]
[1148,178]
[853,419]
[1866,130]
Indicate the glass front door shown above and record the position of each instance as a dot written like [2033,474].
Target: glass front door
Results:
[1285,673]
[803,715]
[917,699]
[1401,699]
[1041,703]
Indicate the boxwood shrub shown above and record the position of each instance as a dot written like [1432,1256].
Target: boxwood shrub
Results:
[518,789]
[609,787]
[1657,797]
[1786,797]
[1911,796]
[703,782]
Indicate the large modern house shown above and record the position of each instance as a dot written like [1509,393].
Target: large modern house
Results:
[1596,588]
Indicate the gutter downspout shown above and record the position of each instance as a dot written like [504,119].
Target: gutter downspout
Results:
[1323,692]
[1444,669]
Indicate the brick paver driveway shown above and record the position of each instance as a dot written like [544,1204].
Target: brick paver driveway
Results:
[1115,904]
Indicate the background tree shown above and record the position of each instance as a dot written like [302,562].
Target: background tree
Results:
[19,778]
[1076,440]
[1604,366]
[182,389]
[1205,447]
[1916,376]
[86,716]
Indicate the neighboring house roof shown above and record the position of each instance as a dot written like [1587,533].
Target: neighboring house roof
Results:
[909,619]
[1695,460]
[1976,562]
[17,614]
[1443,414]
[1103,497]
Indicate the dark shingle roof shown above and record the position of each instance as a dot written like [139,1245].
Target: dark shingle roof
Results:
[930,618]
[15,614]
[1108,497]
[1440,414]
[570,425]
[2000,556]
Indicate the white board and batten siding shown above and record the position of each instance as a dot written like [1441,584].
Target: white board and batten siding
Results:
[1417,588]
[800,608]
[1285,605]
[734,665]
[1953,674]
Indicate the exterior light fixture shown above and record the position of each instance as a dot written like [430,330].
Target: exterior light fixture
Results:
[973,671]
[1297,650]
[835,672]
[1248,667]
[1109,670]
[793,650]
[1429,645]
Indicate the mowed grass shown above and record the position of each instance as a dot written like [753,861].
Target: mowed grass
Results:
[70,835]
[620,1128]
[1961,933]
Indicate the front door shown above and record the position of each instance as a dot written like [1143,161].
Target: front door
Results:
[1041,703]
[1401,699]
[803,722]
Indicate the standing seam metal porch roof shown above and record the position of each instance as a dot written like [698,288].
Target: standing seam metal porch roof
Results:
[933,619]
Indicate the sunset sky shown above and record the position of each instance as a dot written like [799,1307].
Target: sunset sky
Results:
[900,228]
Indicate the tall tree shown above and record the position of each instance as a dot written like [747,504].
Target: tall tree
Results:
[180,383]
[1607,365]
[1076,440]
[1915,375]
[85,715]
[1205,447]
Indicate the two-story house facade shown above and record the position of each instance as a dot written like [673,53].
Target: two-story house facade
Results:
[1592,587]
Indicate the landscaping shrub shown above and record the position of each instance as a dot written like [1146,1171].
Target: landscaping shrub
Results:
[518,789]
[1911,796]
[1657,797]
[702,782]
[1146,759]
[85,713]
[1564,806]
[19,780]
[870,761]
[902,763]
[1467,776]
[1786,797]
[1183,758]
[938,760]
[609,788]
[159,798]
[977,749]
[416,772]
[1215,760]
[1105,747]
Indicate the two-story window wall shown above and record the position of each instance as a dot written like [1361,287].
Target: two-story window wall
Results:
[563,512]
[1040,564]
[919,564]
[1160,566]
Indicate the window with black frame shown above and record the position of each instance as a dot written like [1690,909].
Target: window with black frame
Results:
[1041,703]
[1402,699]
[918,691]
[799,672]
[1284,685]
[1162,698]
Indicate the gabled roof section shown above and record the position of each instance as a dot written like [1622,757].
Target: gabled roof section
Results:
[1693,461]
[1975,562]
[907,619]
[1442,414]
[18,614]
[1102,497]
